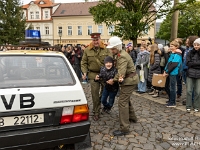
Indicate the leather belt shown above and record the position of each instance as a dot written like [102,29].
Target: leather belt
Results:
[130,75]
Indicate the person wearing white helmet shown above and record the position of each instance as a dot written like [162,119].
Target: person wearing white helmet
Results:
[127,75]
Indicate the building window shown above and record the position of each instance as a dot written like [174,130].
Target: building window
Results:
[37,16]
[38,28]
[59,29]
[32,15]
[100,29]
[69,30]
[46,14]
[79,30]
[111,29]
[47,30]
[146,30]
[89,30]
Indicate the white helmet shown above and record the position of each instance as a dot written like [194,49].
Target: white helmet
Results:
[114,41]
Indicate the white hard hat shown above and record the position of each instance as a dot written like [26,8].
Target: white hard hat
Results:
[114,41]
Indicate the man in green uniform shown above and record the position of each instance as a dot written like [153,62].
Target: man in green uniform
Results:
[126,72]
[92,61]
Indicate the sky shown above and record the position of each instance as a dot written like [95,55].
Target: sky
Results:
[56,1]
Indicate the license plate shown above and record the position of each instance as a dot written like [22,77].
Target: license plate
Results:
[21,120]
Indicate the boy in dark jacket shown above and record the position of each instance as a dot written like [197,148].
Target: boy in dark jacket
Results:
[173,69]
[106,73]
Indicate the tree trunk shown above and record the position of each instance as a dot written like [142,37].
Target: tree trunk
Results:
[174,29]
[134,41]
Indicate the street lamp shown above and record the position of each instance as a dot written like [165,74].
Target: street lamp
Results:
[60,35]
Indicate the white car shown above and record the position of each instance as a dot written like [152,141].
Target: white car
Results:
[42,103]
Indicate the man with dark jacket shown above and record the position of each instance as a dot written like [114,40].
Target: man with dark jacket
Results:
[133,53]
[76,60]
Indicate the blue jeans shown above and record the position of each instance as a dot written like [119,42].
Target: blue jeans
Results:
[193,90]
[179,85]
[172,83]
[142,86]
[111,100]
[184,75]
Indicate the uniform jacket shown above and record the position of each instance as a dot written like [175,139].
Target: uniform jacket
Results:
[193,63]
[155,67]
[143,58]
[106,75]
[93,60]
[174,63]
[125,67]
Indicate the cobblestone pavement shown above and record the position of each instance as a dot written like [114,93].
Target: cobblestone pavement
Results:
[158,127]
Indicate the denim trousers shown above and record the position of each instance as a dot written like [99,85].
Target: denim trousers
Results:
[106,93]
[193,90]
[142,86]
[172,83]
[167,89]
[184,75]
[179,85]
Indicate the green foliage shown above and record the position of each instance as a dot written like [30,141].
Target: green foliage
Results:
[188,23]
[130,17]
[12,24]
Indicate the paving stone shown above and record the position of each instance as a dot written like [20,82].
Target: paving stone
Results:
[98,147]
[133,140]
[189,135]
[122,142]
[158,147]
[166,136]
[105,148]
[165,145]
[136,148]
[97,137]
[154,126]
[120,147]
[148,147]
[141,139]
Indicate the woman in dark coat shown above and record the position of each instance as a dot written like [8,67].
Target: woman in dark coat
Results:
[76,60]
[155,57]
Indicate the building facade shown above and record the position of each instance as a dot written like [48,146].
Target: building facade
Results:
[76,24]
[38,16]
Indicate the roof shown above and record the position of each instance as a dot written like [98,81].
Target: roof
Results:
[74,9]
[78,9]
[47,3]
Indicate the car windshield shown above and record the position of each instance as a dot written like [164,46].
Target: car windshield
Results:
[34,71]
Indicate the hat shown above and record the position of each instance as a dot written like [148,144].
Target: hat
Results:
[197,41]
[95,35]
[108,59]
[160,46]
[129,45]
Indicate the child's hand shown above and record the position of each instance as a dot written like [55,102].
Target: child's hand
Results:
[121,78]
[97,77]
[164,74]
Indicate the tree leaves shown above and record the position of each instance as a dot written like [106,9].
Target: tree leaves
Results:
[130,17]
[189,21]
[12,24]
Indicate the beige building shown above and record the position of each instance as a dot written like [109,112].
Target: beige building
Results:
[76,25]
[38,14]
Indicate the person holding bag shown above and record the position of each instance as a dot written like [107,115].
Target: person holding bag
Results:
[142,68]
[155,58]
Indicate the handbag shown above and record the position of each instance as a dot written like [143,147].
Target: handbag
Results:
[142,74]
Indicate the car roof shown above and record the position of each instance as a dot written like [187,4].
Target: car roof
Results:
[30,52]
